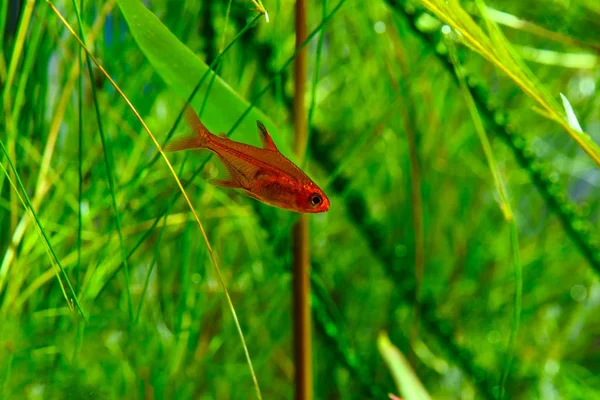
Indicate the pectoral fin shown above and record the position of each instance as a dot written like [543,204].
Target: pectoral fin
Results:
[236,177]
[226,183]
[253,195]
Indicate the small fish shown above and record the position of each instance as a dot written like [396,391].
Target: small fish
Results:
[261,173]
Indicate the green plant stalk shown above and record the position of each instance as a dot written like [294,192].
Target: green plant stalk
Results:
[480,129]
[417,211]
[19,278]
[35,36]
[516,321]
[78,341]
[407,110]
[155,257]
[180,309]
[17,50]
[348,158]
[8,371]
[6,96]
[28,62]
[8,298]
[30,57]
[504,205]
[42,231]
[107,161]
[3,17]
[313,95]
[152,264]
[80,157]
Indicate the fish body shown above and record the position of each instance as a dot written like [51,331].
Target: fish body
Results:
[261,173]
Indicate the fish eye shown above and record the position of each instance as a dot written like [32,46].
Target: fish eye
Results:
[315,199]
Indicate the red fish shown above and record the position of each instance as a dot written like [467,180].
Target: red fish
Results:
[262,173]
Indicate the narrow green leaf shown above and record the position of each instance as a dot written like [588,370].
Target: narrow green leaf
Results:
[181,70]
[571,117]
[406,380]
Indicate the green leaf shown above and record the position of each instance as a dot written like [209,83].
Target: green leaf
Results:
[181,70]
[499,51]
[406,380]
[571,117]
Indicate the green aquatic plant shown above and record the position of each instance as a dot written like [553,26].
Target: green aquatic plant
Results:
[452,183]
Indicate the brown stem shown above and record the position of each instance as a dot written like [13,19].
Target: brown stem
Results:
[301,268]
[408,113]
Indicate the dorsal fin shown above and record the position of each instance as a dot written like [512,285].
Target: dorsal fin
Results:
[265,138]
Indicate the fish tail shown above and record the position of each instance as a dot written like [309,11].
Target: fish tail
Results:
[198,140]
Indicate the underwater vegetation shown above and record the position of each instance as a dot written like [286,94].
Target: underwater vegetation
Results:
[401,199]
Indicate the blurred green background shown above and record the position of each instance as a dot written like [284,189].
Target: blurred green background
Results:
[415,243]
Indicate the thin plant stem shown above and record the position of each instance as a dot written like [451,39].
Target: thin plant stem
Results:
[516,320]
[313,95]
[80,160]
[9,121]
[152,264]
[406,109]
[504,206]
[107,161]
[42,231]
[300,240]
[3,18]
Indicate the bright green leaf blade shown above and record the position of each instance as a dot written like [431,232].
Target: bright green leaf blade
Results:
[181,70]
[406,380]
[571,117]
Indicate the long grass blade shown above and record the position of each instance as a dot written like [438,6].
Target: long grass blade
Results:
[504,205]
[9,121]
[108,164]
[406,380]
[181,188]
[42,232]
[313,95]
[151,268]
[79,156]
[3,18]
[516,320]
